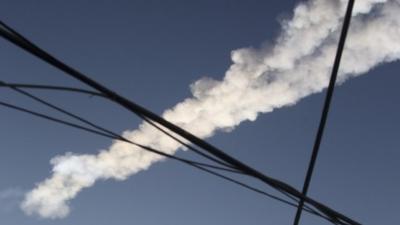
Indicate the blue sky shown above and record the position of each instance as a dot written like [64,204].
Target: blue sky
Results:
[150,52]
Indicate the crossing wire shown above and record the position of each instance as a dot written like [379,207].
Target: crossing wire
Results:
[17,87]
[325,110]
[17,39]
[198,165]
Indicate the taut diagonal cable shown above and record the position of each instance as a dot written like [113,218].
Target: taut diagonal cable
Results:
[325,110]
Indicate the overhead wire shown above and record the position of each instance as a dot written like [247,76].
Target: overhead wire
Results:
[17,87]
[20,41]
[325,110]
[105,134]
[25,44]
[198,165]
[51,87]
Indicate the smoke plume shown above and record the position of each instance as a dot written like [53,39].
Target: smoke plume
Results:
[296,66]
[10,198]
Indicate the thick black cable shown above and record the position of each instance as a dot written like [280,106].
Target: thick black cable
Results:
[279,190]
[325,110]
[307,209]
[183,143]
[23,43]
[167,133]
[197,165]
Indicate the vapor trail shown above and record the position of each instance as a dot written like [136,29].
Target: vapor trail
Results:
[296,66]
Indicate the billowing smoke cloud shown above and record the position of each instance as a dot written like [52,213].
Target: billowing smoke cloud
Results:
[258,81]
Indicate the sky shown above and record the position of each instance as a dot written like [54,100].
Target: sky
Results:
[151,52]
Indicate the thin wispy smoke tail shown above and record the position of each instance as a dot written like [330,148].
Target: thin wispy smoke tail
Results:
[262,79]
[10,198]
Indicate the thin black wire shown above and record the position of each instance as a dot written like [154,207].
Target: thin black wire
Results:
[148,120]
[52,87]
[50,105]
[93,93]
[25,93]
[325,110]
[110,133]
[197,165]
[17,87]
[104,134]
[25,44]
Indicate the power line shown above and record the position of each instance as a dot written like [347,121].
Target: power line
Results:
[325,110]
[17,39]
[17,87]
[46,103]
[104,134]
[51,87]
[198,165]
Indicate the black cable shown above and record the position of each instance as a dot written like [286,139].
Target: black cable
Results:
[108,135]
[25,44]
[197,165]
[50,105]
[325,111]
[183,143]
[17,88]
[71,89]
[51,87]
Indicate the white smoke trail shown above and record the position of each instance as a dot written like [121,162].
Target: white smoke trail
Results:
[258,81]
[10,198]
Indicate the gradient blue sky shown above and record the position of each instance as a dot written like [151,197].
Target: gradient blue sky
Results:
[150,52]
